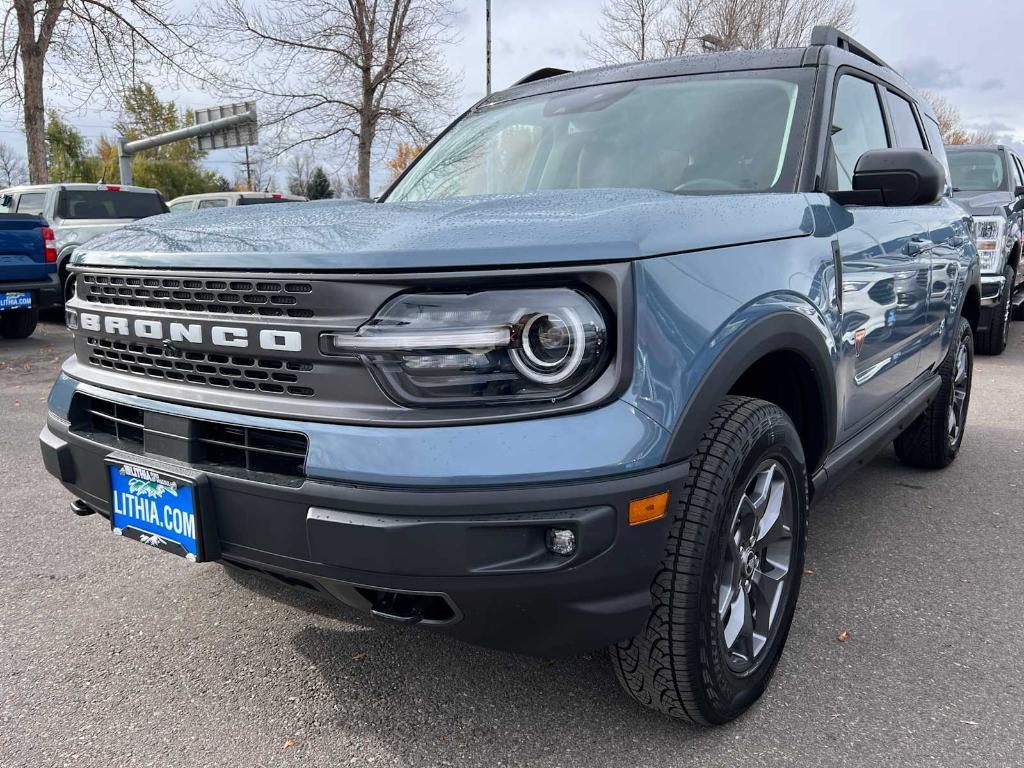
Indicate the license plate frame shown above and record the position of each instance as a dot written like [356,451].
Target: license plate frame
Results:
[158,485]
[16,300]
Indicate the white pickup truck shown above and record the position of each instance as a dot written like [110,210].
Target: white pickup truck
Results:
[79,212]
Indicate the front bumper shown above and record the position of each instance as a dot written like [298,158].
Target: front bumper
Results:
[46,292]
[992,289]
[471,562]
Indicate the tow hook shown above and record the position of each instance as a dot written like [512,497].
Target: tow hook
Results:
[81,509]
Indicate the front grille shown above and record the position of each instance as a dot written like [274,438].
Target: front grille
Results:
[266,455]
[249,374]
[266,298]
[883,292]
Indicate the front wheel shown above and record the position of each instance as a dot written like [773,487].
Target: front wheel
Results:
[724,595]
[933,440]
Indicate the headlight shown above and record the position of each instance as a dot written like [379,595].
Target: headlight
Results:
[489,347]
[988,237]
[70,315]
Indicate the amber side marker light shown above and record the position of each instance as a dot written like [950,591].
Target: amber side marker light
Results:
[649,508]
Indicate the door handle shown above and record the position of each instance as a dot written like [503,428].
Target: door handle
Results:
[917,246]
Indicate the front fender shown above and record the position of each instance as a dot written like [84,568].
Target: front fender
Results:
[777,324]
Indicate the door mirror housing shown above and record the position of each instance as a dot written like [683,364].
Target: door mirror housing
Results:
[895,177]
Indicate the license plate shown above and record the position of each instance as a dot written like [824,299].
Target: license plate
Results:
[155,508]
[15,300]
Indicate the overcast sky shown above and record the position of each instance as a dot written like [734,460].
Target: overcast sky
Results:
[969,52]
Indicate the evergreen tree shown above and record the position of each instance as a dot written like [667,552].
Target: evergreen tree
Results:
[319,187]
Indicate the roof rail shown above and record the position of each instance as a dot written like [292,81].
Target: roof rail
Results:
[838,38]
[542,74]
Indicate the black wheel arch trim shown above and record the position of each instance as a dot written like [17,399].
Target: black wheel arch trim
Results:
[784,331]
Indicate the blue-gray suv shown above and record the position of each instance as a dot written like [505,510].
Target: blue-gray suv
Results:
[572,383]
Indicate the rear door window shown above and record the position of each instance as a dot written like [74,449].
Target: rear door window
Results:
[109,204]
[904,123]
[857,126]
[32,202]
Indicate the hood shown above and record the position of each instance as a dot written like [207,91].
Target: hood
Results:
[984,203]
[497,230]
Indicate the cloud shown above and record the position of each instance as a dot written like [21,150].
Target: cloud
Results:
[931,74]
[992,84]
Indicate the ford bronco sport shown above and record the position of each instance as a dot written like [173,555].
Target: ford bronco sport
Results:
[572,383]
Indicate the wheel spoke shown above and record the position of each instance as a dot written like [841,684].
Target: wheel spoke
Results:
[739,613]
[766,591]
[773,527]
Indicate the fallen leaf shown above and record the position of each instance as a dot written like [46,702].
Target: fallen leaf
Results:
[289,743]
[810,571]
[843,636]
[967,722]
[361,657]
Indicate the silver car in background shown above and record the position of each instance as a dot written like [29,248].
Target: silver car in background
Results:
[79,212]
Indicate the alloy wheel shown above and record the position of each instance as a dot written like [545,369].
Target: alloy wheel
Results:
[961,387]
[756,566]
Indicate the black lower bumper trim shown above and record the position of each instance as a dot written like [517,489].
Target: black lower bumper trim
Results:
[471,562]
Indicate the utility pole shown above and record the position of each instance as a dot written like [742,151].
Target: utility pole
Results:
[248,170]
[488,47]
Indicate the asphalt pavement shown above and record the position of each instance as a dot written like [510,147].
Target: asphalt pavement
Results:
[113,654]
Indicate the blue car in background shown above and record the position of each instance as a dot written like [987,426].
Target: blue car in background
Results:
[28,273]
[572,383]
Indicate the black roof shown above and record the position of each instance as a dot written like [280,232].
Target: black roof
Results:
[825,50]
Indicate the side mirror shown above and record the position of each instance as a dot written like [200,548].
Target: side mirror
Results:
[1018,205]
[895,177]
[6,200]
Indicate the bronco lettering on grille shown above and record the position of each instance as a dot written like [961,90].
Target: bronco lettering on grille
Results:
[233,337]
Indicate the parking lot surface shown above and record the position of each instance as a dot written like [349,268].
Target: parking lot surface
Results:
[113,654]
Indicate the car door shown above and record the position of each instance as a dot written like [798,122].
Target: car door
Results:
[885,259]
[946,226]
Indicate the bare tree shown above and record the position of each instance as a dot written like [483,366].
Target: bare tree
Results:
[12,167]
[632,30]
[340,71]
[84,48]
[951,124]
[299,168]
[345,185]
[627,31]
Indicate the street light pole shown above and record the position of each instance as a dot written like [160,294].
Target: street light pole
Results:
[488,47]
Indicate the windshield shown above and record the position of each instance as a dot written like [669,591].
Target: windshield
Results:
[698,134]
[977,170]
[108,204]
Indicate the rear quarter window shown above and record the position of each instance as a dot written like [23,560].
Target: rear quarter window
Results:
[32,202]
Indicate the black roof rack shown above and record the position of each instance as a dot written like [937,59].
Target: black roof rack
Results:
[838,38]
[542,74]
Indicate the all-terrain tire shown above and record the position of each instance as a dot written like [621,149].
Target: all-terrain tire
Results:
[993,341]
[677,664]
[18,323]
[930,442]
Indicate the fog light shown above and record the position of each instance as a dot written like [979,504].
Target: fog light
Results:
[71,319]
[561,541]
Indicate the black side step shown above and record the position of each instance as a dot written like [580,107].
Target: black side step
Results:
[862,447]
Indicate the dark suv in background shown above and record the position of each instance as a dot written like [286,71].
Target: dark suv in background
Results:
[989,182]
